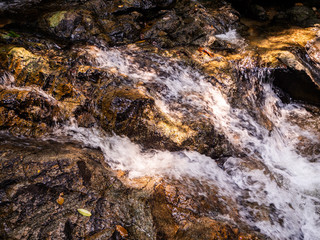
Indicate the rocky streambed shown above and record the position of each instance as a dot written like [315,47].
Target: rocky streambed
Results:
[163,119]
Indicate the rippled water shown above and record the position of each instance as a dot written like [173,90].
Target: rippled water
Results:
[281,180]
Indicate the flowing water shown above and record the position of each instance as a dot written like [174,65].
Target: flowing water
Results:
[286,181]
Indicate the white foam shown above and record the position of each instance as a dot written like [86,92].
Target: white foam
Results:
[121,154]
[7,79]
[231,36]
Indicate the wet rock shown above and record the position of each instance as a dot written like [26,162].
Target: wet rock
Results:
[122,29]
[120,6]
[97,97]
[303,16]
[299,15]
[258,12]
[45,83]
[37,175]
[191,24]
[299,80]
[209,229]
[313,50]
[26,111]
[132,113]
[30,9]
[34,174]
[72,25]
[181,213]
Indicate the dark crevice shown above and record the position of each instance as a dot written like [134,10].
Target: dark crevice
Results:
[295,85]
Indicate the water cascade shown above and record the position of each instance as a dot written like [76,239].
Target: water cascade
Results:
[189,119]
[286,180]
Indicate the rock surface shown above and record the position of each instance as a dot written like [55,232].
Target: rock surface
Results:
[51,74]
[35,175]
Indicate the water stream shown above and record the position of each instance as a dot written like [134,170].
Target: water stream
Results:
[285,180]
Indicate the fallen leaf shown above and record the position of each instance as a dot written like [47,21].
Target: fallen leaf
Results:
[84,212]
[202,50]
[123,232]
[60,199]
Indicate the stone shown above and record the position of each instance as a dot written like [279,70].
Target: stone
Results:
[75,25]
[28,111]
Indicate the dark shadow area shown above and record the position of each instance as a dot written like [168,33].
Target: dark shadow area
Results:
[297,86]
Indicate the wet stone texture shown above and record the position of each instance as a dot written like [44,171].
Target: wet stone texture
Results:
[50,74]
[44,183]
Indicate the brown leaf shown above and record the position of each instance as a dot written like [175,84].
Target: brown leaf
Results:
[60,199]
[123,232]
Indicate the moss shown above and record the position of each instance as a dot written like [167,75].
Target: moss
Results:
[20,52]
[56,18]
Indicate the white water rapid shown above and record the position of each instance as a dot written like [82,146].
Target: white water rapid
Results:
[285,179]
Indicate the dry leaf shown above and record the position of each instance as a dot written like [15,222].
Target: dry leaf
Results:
[60,199]
[123,232]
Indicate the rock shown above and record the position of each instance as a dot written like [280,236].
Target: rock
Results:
[75,25]
[298,85]
[300,81]
[181,213]
[27,111]
[298,15]
[191,24]
[120,6]
[313,50]
[122,29]
[35,173]
[258,12]
[98,97]
[209,229]
[30,9]
[36,176]
[302,16]
[52,71]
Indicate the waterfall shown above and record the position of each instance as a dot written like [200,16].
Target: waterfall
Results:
[285,180]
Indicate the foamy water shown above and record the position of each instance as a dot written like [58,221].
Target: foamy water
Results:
[283,180]
[232,37]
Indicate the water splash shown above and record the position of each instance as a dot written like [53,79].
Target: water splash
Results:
[274,176]
[232,37]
